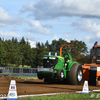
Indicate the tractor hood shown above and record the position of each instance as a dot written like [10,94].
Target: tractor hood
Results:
[50,61]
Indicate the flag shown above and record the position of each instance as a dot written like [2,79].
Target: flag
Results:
[96,43]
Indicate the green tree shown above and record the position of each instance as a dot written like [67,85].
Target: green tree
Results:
[38,45]
[23,42]
[2,54]
[19,57]
[56,44]
[83,58]
[41,51]
[26,52]
[39,56]
[47,45]
[28,55]
[33,57]
[14,40]
[78,48]
[11,52]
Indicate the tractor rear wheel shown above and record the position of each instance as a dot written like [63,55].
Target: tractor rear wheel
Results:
[75,75]
[60,74]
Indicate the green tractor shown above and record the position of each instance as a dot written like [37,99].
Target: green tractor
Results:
[60,68]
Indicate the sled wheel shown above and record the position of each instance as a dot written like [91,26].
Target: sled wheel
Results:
[75,75]
[60,74]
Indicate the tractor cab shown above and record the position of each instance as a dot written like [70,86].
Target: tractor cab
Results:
[95,54]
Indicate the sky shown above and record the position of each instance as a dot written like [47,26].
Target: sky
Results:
[42,20]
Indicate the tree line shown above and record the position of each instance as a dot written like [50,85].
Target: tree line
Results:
[20,52]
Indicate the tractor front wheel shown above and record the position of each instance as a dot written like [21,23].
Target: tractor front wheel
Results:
[60,74]
[75,75]
[39,76]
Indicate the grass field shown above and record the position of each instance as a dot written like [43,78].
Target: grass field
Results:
[93,96]
[14,65]
[24,77]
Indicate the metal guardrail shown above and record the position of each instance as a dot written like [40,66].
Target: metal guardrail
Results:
[18,70]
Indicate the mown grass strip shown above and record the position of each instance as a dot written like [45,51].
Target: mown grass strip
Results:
[24,77]
[93,96]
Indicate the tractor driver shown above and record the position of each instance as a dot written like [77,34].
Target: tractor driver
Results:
[66,61]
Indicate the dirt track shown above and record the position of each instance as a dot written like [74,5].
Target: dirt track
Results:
[35,86]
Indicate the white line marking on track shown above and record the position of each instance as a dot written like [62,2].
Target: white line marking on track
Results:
[89,91]
[47,94]
[50,94]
